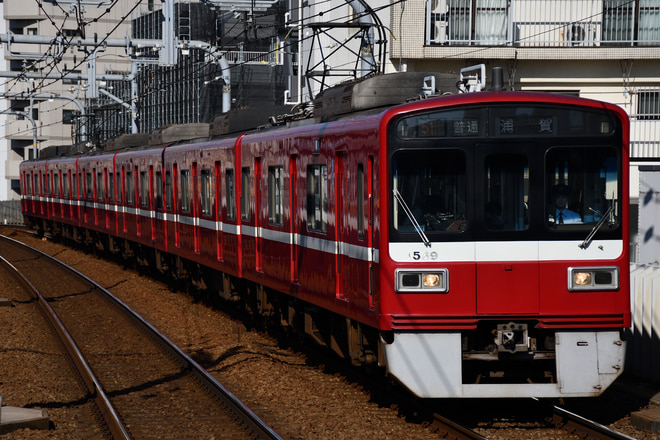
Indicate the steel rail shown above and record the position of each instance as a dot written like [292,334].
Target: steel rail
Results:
[585,428]
[244,413]
[114,424]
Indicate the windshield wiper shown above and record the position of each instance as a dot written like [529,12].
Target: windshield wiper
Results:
[411,217]
[587,241]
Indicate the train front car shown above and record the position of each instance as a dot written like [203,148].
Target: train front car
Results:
[506,267]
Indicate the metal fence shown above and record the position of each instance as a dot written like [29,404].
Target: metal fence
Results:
[643,337]
[10,212]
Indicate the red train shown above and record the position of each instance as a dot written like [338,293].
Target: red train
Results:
[475,245]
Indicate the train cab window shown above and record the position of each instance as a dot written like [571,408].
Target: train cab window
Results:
[130,189]
[168,191]
[185,191]
[231,194]
[89,183]
[506,192]
[159,190]
[245,193]
[317,198]
[582,188]
[207,192]
[144,189]
[275,195]
[430,190]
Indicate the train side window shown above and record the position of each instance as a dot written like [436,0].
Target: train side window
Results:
[56,184]
[275,195]
[130,189]
[144,189]
[100,188]
[65,184]
[231,194]
[207,192]
[89,183]
[317,198]
[185,191]
[119,187]
[111,187]
[245,193]
[168,191]
[159,190]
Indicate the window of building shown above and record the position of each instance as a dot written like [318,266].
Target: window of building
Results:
[68,116]
[317,198]
[648,104]
[276,195]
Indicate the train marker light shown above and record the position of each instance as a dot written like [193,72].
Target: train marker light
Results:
[593,278]
[425,281]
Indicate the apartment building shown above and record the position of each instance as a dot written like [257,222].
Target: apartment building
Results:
[44,95]
[601,49]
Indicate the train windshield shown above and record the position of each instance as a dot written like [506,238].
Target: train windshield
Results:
[532,183]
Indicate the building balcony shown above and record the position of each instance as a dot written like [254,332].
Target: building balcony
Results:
[531,29]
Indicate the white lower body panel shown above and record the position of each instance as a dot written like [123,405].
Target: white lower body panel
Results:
[429,365]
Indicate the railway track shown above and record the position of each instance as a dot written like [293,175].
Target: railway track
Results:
[583,427]
[143,385]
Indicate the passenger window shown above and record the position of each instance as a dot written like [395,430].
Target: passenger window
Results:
[245,193]
[185,191]
[207,192]
[231,194]
[275,195]
[159,190]
[317,198]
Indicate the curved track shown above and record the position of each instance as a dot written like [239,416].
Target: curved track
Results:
[144,386]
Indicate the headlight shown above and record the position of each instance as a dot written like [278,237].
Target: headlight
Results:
[421,280]
[593,278]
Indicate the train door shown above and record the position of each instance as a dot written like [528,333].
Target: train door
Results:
[340,230]
[507,267]
[175,204]
[152,205]
[195,207]
[365,220]
[218,208]
[258,245]
[294,228]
